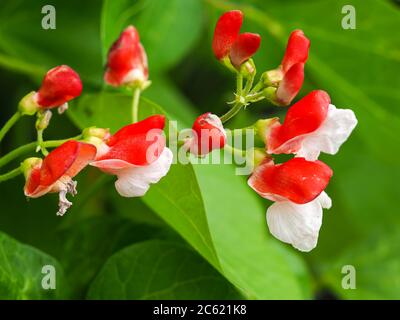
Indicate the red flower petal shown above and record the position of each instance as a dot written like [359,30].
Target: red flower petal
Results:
[141,127]
[209,133]
[303,117]
[245,46]
[68,159]
[226,32]
[291,84]
[59,85]
[297,180]
[296,50]
[126,54]
[139,144]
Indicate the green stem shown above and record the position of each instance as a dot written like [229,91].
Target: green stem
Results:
[40,143]
[9,124]
[11,174]
[233,150]
[232,112]
[249,83]
[257,87]
[239,84]
[135,105]
[31,147]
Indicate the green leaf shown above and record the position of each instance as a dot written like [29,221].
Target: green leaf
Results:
[84,247]
[377,268]
[159,270]
[21,272]
[165,32]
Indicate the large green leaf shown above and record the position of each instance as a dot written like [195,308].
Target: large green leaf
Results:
[165,32]
[215,211]
[21,272]
[84,247]
[159,270]
[376,265]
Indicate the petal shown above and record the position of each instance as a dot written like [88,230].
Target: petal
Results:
[328,138]
[135,181]
[245,46]
[141,127]
[297,224]
[297,180]
[139,144]
[291,84]
[112,166]
[226,32]
[296,50]
[59,85]
[67,159]
[209,134]
[303,117]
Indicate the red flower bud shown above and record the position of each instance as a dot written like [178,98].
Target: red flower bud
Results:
[59,85]
[209,134]
[303,117]
[296,50]
[228,42]
[296,180]
[127,60]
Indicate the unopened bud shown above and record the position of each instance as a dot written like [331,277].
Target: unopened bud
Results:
[95,132]
[28,105]
[43,120]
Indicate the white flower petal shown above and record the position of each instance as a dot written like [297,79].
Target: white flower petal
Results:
[135,181]
[297,224]
[328,138]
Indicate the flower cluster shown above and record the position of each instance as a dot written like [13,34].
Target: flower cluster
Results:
[311,126]
[138,153]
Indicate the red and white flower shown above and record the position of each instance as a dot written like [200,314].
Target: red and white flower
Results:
[127,60]
[208,134]
[312,125]
[229,42]
[297,189]
[56,171]
[137,155]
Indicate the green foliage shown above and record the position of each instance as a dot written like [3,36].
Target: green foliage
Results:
[159,270]
[201,232]
[21,272]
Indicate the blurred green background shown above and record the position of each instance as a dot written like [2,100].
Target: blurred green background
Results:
[201,233]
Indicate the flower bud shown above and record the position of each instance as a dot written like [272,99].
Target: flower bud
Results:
[28,105]
[209,134]
[60,85]
[43,120]
[228,42]
[127,61]
[100,133]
